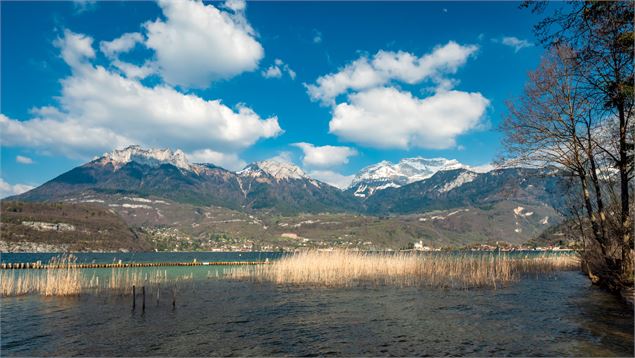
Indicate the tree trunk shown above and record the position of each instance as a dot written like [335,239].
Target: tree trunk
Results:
[596,184]
[627,240]
[591,214]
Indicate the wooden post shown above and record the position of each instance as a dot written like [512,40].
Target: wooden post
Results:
[158,292]
[143,294]
[173,298]
[134,301]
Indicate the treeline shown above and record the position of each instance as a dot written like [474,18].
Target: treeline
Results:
[576,113]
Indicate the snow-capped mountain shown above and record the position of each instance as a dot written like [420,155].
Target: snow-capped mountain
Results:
[150,157]
[281,187]
[277,169]
[409,170]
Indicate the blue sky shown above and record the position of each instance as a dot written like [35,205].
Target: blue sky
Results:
[332,87]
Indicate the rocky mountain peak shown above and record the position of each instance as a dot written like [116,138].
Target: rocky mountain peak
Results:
[386,174]
[278,169]
[149,157]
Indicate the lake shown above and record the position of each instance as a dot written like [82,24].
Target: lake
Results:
[556,315]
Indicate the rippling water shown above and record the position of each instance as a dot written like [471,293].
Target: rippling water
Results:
[556,315]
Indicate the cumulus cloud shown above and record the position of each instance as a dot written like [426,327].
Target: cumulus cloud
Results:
[283,157]
[122,44]
[23,160]
[388,118]
[324,156]
[100,110]
[197,43]
[229,161]
[76,49]
[514,42]
[330,177]
[276,70]
[7,189]
[387,66]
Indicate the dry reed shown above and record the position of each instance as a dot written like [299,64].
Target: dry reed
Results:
[65,279]
[346,269]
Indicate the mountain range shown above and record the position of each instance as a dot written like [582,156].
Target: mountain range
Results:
[148,186]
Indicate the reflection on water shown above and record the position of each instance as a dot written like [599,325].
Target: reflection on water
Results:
[557,315]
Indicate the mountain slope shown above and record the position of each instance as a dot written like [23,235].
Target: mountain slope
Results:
[52,227]
[270,185]
[461,188]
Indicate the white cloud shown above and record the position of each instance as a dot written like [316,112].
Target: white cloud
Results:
[7,189]
[275,70]
[515,42]
[330,177]
[387,118]
[122,44]
[236,5]
[76,48]
[272,72]
[199,43]
[282,157]
[100,110]
[386,66]
[133,71]
[324,156]
[23,160]
[228,161]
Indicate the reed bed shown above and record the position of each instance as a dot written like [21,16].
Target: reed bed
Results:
[65,279]
[346,269]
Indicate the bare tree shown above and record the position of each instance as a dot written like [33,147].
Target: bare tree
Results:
[601,34]
[554,122]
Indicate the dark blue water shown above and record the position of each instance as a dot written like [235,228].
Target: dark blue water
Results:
[551,315]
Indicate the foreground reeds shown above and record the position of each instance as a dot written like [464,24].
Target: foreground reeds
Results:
[66,279]
[346,268]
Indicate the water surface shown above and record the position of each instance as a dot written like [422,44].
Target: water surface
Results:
[552,315]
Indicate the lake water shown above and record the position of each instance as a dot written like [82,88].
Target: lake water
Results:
[555,315]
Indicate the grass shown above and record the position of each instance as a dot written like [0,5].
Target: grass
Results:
[313,268]
[346,269]
[64,279]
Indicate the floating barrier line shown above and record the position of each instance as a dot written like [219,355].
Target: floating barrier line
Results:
[37,265]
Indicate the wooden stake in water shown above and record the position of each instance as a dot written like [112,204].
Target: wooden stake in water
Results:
[134,301]
[173,298]
[158,292]
[143,294]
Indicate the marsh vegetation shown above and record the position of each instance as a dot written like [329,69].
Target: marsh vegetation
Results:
[352,268]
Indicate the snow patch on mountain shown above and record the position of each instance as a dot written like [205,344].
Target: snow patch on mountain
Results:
[277,169]
[149,157]
[408,170]
[463,178]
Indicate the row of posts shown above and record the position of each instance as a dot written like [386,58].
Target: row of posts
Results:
[143,297]
[39,265]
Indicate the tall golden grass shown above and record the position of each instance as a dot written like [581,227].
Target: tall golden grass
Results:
[68,280]
[346,268]
[63,281]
